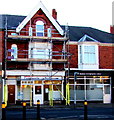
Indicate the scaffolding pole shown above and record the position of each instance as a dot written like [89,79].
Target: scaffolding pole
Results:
[64,53]
[30,34]
[5,60]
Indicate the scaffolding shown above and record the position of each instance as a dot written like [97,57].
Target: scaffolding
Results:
[49,57]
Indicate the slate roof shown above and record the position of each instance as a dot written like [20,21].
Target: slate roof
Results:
[75,32]
[12,21]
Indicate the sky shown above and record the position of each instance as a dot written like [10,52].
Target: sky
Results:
[88,13]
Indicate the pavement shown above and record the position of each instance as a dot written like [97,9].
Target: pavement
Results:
[77,106]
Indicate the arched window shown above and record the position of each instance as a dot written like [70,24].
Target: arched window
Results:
[39,28]
[14,51]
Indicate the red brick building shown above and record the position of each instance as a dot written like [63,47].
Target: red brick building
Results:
[43,60]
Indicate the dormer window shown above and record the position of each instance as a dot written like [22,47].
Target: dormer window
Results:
[88,56]
[39,28]
[88,53]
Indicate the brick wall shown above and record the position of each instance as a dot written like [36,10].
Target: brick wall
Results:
[21,54]
[17,65]
[1,46]
[106,54]
[40,15]
[73,50]
[22,46]
[58,66]
[57,47]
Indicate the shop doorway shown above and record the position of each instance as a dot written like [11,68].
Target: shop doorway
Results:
[38,93]
[11,93]
[46,92]
[107,94]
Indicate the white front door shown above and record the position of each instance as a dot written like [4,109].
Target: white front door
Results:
[38,93]
[107,94]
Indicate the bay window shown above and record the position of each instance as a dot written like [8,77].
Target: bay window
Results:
[88,56]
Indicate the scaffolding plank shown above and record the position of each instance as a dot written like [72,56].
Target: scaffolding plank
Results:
[39,60]
[37,37]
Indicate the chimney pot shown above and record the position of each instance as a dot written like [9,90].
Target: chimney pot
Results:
[54,14]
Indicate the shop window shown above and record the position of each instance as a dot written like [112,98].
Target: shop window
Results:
[80,81]
[94,92]
[106,79]
[39,28]
[14,52]
[37,82]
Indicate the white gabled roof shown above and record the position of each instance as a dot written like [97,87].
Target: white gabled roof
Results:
[33,12]
[85,37]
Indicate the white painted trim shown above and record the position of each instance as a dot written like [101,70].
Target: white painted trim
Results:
[35,73]
[83,39]
[90,69]
[11,82]
[33,12]
[100,44]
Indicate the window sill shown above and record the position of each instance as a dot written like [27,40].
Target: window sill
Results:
[88,66]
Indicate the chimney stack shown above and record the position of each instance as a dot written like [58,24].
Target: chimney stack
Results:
[112,26]
[54,14]
[112,29]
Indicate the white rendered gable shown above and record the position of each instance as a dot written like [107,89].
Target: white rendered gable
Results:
[33,12]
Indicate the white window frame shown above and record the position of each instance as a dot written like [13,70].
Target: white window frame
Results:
[40,53]
[42,49]
[15,52]
[81,63]
[39,23]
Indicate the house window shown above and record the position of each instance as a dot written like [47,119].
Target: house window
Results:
[40,50]
[14,53]
[39,28]
[40,53]
[88,56]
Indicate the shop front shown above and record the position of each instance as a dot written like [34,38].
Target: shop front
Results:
[40,89]
[90,86]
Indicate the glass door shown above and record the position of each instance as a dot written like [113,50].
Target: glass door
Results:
[38,93]
[107,94]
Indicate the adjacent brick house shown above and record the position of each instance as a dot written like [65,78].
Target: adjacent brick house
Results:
[91,63]
[40,57]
